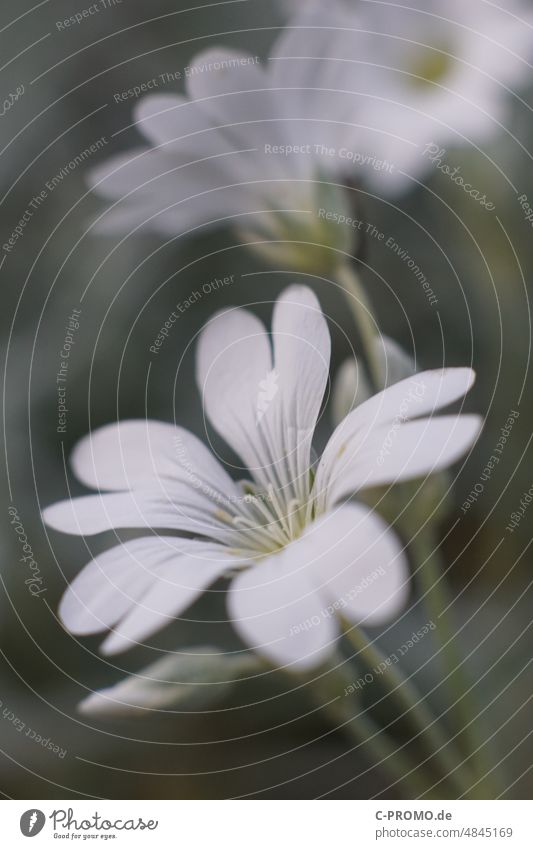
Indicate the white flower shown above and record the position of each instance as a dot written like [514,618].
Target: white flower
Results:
[239,150]
[297,548]
[426,72]
[349,93]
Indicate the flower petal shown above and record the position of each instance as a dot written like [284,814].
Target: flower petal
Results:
[178,585]
[302,348]
[134,453]
[275,608]
[148,173]
[348,562]
[182,129]
[157,190]
[165,120]
[351,387]
[233,358]
[106,587]
[423,393]
[186,130]
[401,452]
[179,508]
[139,585]
[268,415]
[358,564]
[235,91]
[164,212]
[310,51]
[128,171]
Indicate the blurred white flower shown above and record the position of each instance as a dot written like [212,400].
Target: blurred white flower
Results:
[295,545]
[425,72]
[350,94]
[262,148]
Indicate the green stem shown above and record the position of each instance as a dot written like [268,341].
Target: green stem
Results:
[430,576]
[415,710]
[437,600]
[362,315]
[401,768]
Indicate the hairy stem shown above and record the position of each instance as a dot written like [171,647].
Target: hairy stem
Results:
[437,600]
[416,712]
[380,748]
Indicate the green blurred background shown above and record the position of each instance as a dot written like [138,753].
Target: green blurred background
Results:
[267,739]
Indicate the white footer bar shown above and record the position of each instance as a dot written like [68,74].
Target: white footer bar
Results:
[267,824]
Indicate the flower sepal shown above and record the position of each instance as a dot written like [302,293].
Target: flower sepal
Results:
[312,238]
[190,680]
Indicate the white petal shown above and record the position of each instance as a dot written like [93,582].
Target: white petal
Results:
[239,98]
[351,387]
[183,130]
[126,172]
[145,173]
[166,119]
[402,452]
[180,508]
[359,565]
[238,73]
[319,33]
[422,394]
[161,191]
[233,358]
[140,584]
[106,588]
[177,586]
[347,563]
[275,608]
[162,211]
[134,453]
[315,61]
[302,350]
[267,414]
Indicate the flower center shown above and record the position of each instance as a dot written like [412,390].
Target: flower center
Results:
[265,523]
[308,239]
[432,66]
